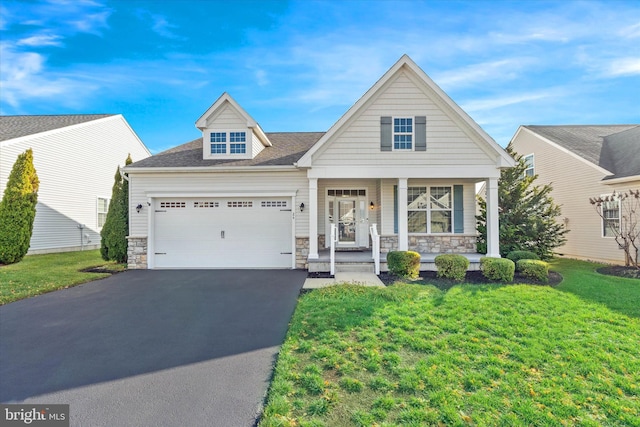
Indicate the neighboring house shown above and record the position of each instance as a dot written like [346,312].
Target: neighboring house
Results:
[582,162]
[76,158]
[404,157]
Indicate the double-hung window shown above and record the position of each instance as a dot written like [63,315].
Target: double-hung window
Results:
[237,142]
[103,208]
[403,133]
[528,161]
[611,218]
[218,143]
[430,209]
[228,142]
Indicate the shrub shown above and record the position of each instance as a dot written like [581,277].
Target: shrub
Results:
[452,266]
[497,268]
[516,256]
[536,269]
[404,263]
[113,243]
[18,209]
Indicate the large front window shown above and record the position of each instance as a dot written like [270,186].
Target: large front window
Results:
[403,133]
[611,218]
[429,209]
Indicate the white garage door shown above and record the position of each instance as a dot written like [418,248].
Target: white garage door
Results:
[223,233]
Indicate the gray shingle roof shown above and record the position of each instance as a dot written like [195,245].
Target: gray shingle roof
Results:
[615,148]
[287,149]
[17,126]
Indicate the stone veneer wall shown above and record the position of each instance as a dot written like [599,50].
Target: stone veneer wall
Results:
[137,253]
[461,244]
[302,252]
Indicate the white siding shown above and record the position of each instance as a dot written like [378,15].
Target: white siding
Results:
[75,165]
[358,143]
[250,182]
[255,145]
[226,118]
[574,182]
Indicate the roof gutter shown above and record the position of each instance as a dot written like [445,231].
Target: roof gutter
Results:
[209,169]
[621,180]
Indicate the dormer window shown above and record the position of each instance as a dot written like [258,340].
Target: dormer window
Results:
[403,133]
[237,142]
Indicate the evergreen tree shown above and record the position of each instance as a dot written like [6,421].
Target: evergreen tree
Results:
[527,214]
[18,209]
[113,242]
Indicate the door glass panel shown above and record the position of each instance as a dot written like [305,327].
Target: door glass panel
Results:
[347,221]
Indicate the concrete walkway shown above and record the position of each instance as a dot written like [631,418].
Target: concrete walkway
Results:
[364,279]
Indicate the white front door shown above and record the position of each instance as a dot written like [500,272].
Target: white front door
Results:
[347,209]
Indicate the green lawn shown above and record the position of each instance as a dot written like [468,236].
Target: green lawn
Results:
[475,355]
[38,274]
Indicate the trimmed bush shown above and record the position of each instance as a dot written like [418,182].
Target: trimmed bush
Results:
[536,269]
[18,209]
[452,266]
[516,256]
[404,263]
[501,269]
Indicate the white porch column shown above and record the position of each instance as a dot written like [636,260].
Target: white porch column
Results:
[493,227]
[313,218]
[403,220]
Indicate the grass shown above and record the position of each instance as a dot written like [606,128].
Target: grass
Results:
[617,293]
[473,355]
[39,274]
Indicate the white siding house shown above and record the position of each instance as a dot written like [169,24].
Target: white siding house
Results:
[582,162]
[404,157]
[76,158]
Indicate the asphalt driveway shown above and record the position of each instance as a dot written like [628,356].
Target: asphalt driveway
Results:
[161,348]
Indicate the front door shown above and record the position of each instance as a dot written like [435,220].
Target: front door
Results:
[347,210]
[347,222]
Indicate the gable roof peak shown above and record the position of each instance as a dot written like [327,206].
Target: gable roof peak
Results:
[224,99]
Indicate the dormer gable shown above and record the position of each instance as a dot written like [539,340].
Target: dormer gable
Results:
[229,132]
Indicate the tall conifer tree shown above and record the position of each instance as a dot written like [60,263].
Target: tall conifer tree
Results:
[113,244]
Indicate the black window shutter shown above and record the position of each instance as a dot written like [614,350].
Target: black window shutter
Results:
[385,134]
[421,133]
[458,209]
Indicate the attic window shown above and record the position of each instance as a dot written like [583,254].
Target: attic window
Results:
[403,133]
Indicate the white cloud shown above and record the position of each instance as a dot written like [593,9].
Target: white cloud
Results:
[505,101]
[41,40]
[631,32]
[624,67]
[498,71]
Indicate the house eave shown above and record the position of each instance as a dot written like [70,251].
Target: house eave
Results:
[210,169]
[621,180]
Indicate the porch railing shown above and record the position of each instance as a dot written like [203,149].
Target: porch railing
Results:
[375,247]
[332,257]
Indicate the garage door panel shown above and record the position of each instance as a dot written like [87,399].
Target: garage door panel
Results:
[223,233]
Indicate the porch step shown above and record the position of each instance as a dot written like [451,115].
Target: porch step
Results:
[359,267]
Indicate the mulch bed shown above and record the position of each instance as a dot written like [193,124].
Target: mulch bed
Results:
[473,277]
[620,271]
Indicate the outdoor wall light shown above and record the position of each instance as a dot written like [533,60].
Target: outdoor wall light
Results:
[139,207]
[371,205]
[301,207]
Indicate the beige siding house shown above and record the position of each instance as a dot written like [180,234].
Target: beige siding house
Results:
[582,162]
[404,158]
[76,157]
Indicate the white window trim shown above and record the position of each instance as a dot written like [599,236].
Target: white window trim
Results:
[533,164]
[228,155]
[602,220]
[108,199]
[394,133]
[429,210]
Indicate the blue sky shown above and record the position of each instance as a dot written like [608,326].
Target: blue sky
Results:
[298,66]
